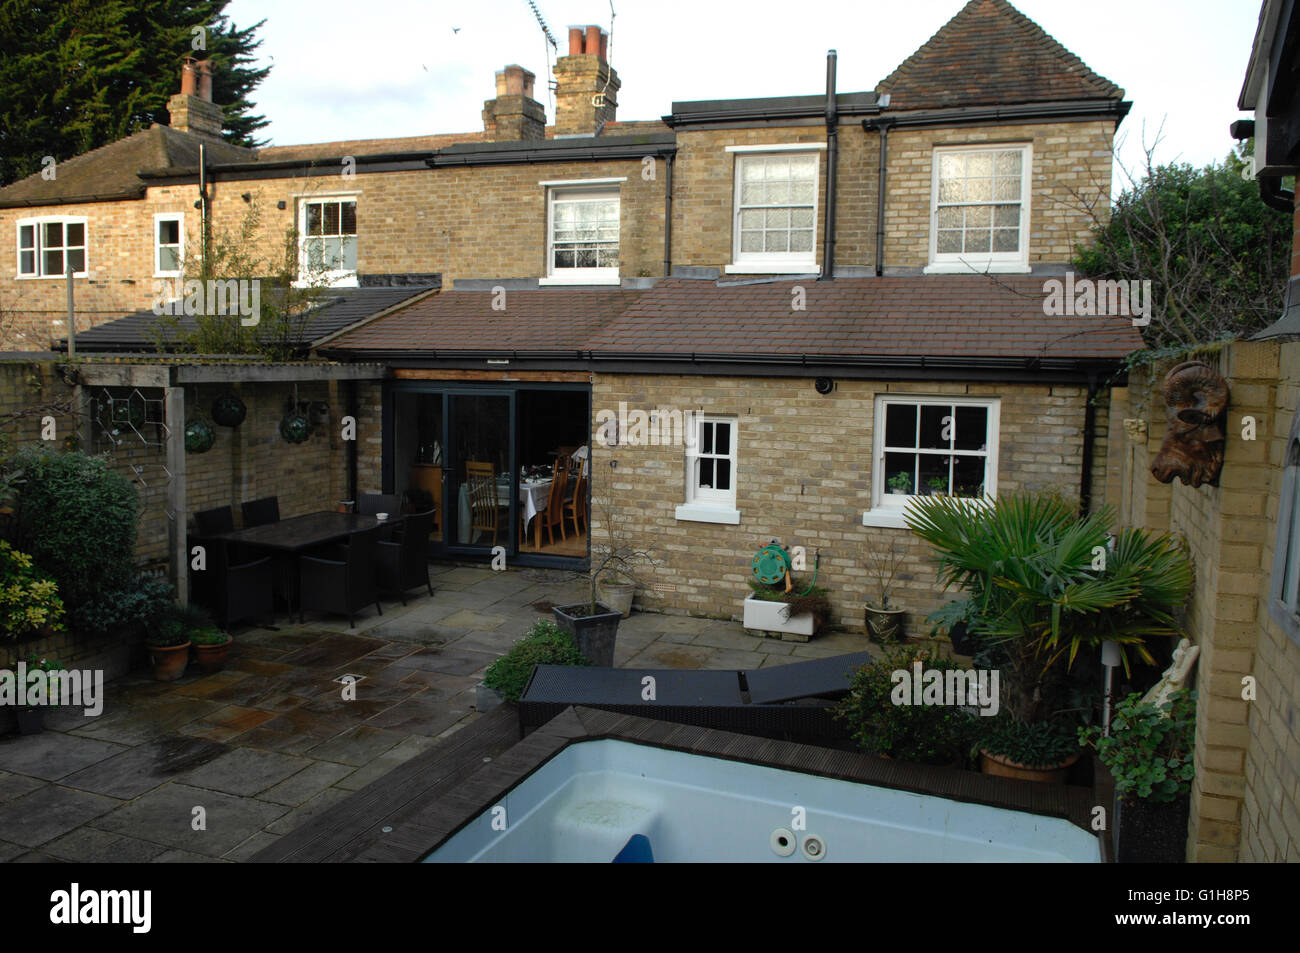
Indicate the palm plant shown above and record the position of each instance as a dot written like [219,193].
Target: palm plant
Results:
[1045,584]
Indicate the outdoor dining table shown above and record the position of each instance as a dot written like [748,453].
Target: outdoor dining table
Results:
[293,536]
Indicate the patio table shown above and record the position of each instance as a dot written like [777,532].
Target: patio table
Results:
[291,537]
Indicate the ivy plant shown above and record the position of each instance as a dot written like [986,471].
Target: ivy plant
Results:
[1150,750]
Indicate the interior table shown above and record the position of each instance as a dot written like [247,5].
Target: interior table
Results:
[533,496]
[291,537]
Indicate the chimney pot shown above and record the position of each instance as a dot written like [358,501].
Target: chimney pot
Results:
[593,41]
[205,80]
[575,41]
[189,78]
[604,44]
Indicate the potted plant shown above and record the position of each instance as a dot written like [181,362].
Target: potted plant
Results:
[592,623]
[924,734]
[506,678]
[168,640]
[211,644]
[1044,585]
[937,485]
[31,718]
[1150,752]
[1041,751]
[900,484]
[884,619]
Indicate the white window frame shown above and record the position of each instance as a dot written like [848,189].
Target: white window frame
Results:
[999,262]
[710,505]
[336,278]
[889,509]
[1284,582]
[39,248]
[158,219]
[578,190]
[774,263]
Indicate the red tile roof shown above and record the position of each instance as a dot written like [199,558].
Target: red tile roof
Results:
[952,318]
[991,53]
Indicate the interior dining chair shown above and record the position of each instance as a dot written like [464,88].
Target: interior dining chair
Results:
[553,515]
[575,500]
[481,483]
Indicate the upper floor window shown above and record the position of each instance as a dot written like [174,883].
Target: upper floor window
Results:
[583,234]
[168,244]
[1284,588]
[47,246]
[776,210]
[932,446]
[980,209]
[328,237]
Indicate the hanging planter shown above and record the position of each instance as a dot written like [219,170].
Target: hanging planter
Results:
[228,410]
[294,427]
[199,436]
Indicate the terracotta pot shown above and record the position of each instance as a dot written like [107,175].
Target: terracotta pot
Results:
[1001,767]
[212,658]
[169,661]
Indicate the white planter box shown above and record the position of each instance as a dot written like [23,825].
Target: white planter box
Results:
[769,616]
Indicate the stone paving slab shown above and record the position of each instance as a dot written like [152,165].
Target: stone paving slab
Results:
[356,746]
[307,783]
[49,812]
[244,771]
[164,816]
[86,845]
[51,755]
[137,770]
[16,785]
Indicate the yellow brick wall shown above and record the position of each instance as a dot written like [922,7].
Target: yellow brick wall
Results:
[803,477]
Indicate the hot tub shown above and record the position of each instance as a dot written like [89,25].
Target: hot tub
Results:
[598,800]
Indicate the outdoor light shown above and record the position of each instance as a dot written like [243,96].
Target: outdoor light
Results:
[1110,658]
[824,385]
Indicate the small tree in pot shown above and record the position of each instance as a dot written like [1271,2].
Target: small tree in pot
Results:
[1150,752]
[884,619]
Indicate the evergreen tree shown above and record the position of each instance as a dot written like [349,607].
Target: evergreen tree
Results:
[78,74]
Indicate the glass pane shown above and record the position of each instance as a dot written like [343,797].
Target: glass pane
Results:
[586,257]
[1006,190]
[349,254]
[778,218]
[169,258]
[777,193]
[801,218]
[972,428]
[950,191]
[480,459]
[331,226]
[751,170]
[564,258]
[563,213]
[27,263]
[169,232]
[608,257]
[1007,216]
[77,259]
[934,474]
[722,437]
[979,216]
[314,261]
[936,426]
[751,193]
[979,164]
[949,217]
[1006,239]
[349,211]
[776,241]
[723,475]
[706,437]
[52,263]
[751,241]
[1289,595]
[1008,163]
[901,469]
[968,476]
[803,192]
[313,218]
[900,425]
[52,234]
[752,218]
[330,253]
[950,166]
[27,236]
[977,240]
[801,241]
[979,190]
[706,473]
[804,168]
[949,243]
[76,233]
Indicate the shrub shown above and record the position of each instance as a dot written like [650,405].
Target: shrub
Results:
[140,604]
[928,734]
[29,598]
[1150,750]
[545,644]
[77,519]
[1036,744]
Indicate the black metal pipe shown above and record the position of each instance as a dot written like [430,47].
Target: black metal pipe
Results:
[668,213]
[832,162]
[1089,425]
[883,126]
[203,207]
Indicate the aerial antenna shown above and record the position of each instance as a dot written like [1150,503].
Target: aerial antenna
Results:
[548,41]
[546,30]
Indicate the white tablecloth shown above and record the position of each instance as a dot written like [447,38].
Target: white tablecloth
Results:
[532,500]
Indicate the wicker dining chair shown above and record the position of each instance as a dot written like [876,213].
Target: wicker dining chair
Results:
[260,512]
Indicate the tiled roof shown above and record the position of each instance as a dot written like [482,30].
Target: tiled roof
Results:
[949,318]
[991,53]
[542,320]
[339,308]
[109,172]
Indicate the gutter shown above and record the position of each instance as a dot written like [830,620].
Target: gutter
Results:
[133,195]
[1024,112]
[555,154]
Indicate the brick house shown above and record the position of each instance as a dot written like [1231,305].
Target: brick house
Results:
[837,288]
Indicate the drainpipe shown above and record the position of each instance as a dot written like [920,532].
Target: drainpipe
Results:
[832,162]
[1089,425]
[668,214]
[883,126]
[203,206]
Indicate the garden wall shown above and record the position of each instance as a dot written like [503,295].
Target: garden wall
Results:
[1246,796]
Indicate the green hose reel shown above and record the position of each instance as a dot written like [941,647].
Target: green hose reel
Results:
[771,565]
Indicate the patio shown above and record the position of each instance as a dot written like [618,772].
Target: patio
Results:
[269,743]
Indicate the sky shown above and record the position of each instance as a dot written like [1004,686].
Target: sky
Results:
[343,69]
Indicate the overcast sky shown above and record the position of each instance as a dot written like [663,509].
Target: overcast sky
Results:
[344,69]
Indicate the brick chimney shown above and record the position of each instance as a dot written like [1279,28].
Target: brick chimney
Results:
[192,109]
[586,87]
[514,114]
